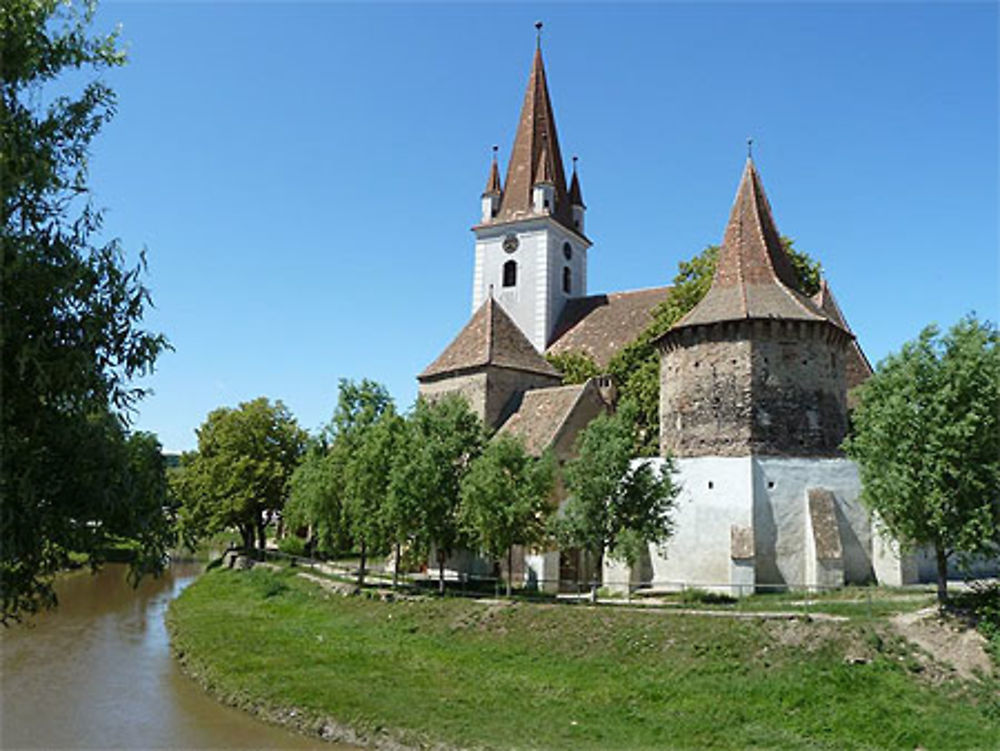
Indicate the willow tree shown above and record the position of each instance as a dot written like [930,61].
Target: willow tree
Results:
[70,310]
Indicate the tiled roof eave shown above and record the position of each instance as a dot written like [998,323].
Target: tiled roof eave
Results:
[429,376]
[692,324]
[500,224]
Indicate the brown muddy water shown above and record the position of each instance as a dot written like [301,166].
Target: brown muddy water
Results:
[97,673]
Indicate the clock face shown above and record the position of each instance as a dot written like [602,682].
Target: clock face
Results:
[510,243]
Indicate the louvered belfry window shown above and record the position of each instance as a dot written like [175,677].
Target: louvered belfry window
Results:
[510,274]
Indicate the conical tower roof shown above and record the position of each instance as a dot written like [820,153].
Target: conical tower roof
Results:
[489,338]
[754,277]
[536,131]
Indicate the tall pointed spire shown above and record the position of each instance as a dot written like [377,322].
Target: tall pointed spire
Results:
[536,131]
[754,277]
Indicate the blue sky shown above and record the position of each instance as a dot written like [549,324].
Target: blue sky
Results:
[304,176]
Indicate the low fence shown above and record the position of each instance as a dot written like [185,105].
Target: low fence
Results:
[721,594]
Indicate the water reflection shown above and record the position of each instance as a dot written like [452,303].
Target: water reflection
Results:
[97,673]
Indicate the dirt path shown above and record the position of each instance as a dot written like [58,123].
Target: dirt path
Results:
[947,639]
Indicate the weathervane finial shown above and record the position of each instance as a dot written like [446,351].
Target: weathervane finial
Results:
[538,34]
[749,148]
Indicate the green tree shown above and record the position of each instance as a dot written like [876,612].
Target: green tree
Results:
[506,499]
[70,341]
[367,484]
[576,367]
[614,507]
[441,439]
[241,473]
[314,498]
[926,435]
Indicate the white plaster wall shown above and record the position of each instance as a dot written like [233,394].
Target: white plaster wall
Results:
[520,301]
[541,570]
[537,300]
[478,287]
[890,567]
[698,554]
[780,510]
[555,297]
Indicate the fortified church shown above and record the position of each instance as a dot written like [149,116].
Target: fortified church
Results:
[753,383]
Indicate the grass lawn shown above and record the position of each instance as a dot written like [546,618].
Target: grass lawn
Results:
[521,675]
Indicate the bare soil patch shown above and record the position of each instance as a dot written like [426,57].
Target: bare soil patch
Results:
[949,639]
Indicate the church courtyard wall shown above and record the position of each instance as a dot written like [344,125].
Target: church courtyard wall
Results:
[746,522]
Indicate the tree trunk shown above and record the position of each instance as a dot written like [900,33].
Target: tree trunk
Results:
[361,568]
[261,538]
[395,569]
[942,575]
[441,558]
[510,568]
[246,532]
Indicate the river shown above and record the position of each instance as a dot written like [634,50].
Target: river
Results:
[96,672]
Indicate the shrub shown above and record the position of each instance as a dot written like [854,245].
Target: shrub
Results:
[292,545]
[704,597]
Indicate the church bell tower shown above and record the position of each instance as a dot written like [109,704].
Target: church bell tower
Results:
[531,252]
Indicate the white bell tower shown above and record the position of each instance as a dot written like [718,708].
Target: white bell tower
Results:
[531,253]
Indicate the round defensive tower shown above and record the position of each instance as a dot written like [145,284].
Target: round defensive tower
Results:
[756,368]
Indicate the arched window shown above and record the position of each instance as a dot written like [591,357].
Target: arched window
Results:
[567,280]
[510,274]
[567,251]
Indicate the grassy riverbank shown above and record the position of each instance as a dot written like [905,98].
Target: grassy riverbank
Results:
[468,673]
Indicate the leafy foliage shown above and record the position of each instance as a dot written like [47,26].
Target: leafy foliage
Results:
[441,439]
[575,367]
[241,473]
[613,505]
[506,498]
[69,316]
[315,498]
[367,483]
[926,435]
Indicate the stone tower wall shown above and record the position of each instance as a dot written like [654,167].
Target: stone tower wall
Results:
[705,394]
[799,388]
[753,387]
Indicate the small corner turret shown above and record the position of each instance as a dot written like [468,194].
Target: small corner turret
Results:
[576,200]
[543,192]
[493,192]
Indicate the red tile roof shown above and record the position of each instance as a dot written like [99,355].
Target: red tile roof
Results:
[489,338]
[536,129]
[754,277]
[543,414]
[600,325]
